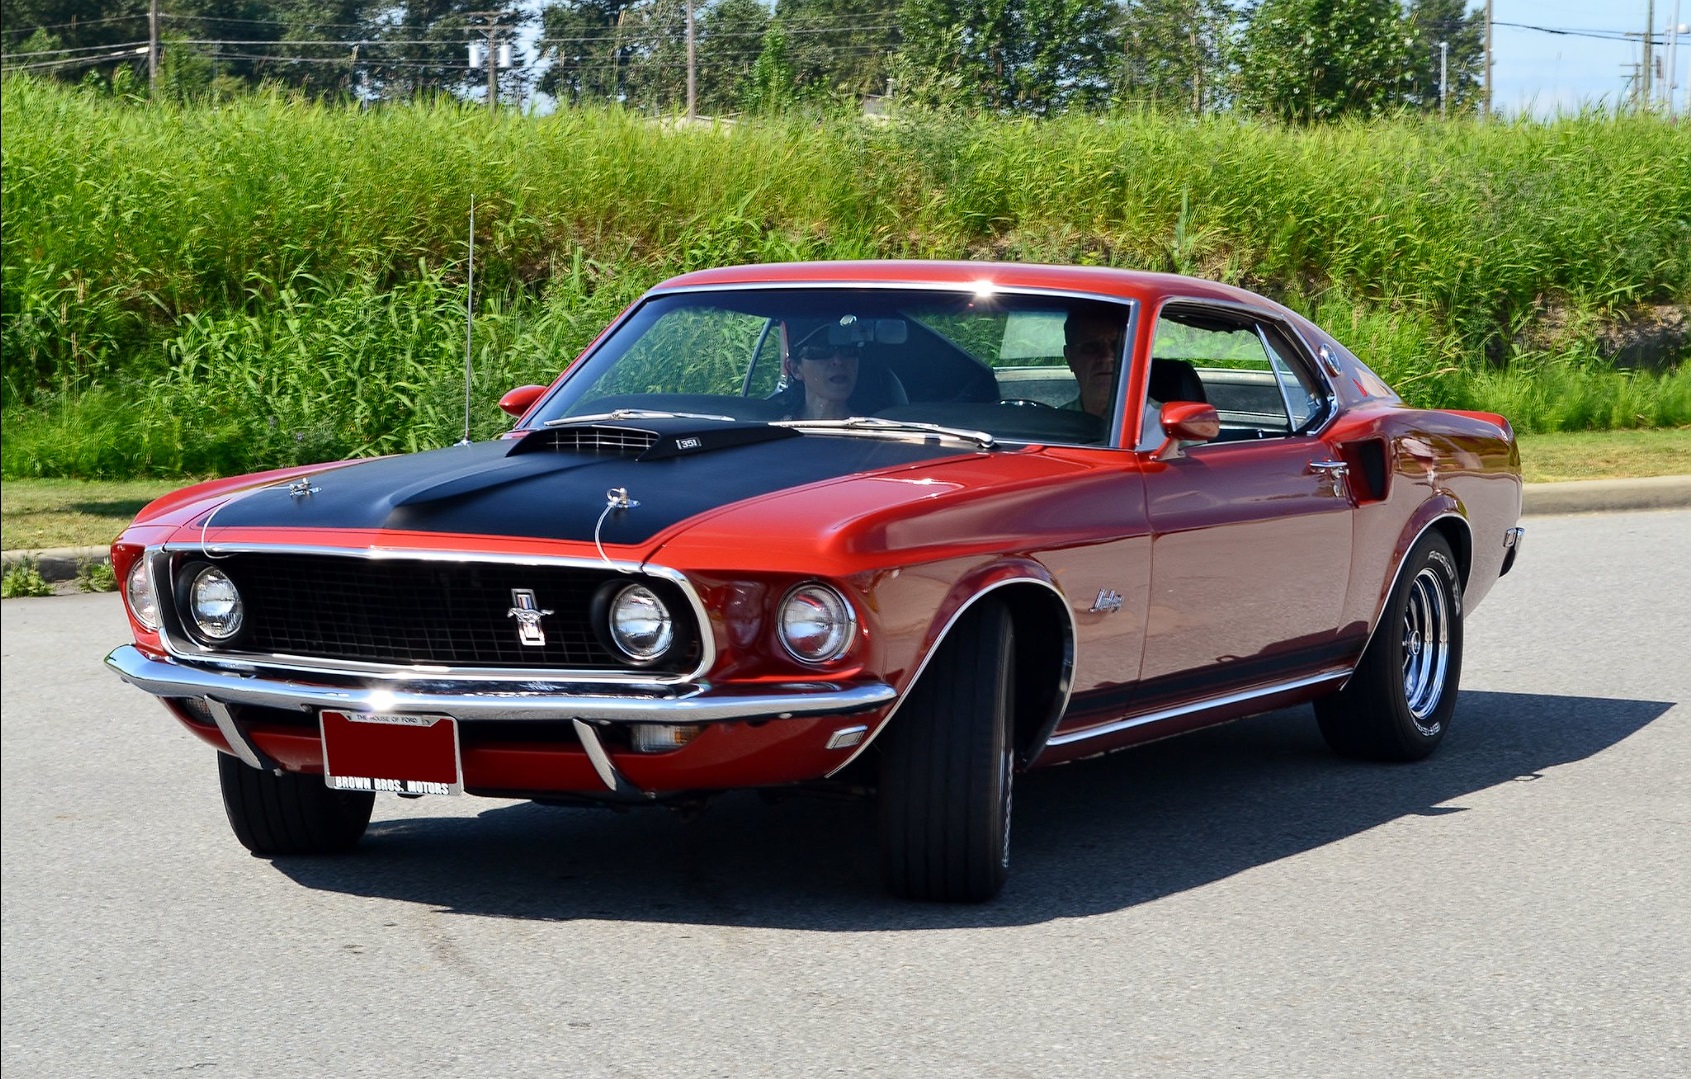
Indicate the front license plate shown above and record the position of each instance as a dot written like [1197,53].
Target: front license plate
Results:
[401,754]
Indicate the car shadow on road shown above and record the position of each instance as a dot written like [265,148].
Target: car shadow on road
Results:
[1096,836]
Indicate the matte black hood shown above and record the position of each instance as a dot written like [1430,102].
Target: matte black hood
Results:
[546,486]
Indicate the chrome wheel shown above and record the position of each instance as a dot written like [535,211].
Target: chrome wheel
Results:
[1426,646]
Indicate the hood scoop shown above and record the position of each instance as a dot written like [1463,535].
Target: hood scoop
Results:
[653,438]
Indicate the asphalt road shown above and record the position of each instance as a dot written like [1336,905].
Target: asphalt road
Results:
[1236,902]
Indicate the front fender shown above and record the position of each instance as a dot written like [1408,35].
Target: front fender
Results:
[1004,577]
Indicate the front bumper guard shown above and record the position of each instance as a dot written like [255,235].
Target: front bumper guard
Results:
[532,699]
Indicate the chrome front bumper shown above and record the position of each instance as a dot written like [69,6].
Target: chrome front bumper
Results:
[524,700]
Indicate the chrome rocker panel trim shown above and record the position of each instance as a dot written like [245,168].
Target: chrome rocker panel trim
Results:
[1223,701]
[515,700]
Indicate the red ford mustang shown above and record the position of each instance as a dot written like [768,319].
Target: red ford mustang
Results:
[895,526]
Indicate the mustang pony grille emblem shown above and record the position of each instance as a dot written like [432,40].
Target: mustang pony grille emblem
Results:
[528,614]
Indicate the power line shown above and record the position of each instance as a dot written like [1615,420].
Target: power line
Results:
[79,48]
[1600,35]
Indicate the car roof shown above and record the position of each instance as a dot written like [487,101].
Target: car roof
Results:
[1088,280]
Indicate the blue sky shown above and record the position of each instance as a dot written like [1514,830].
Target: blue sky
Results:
[1545,73]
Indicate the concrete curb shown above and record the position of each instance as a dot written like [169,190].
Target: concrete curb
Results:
[1606,496]
[57,564]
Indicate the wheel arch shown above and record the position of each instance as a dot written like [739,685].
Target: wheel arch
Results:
[1044,656]
[1446,521]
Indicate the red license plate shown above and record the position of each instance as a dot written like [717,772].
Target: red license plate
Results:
[402,754]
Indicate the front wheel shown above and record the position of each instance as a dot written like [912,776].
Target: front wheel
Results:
[290,814]
[947,768]
[1398,703]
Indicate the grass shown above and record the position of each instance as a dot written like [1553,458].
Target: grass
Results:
[36,514]
[1605,455]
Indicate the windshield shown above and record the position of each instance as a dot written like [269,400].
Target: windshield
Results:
[1028,368]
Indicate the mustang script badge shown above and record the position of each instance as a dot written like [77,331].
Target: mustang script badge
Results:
[528,615]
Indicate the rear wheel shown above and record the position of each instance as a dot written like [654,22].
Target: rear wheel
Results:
[288,813]
[947,769]
[1397,705]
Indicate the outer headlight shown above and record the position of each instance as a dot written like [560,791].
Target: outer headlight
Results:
[817,624]
[640,624]
[214,604]
[138,590]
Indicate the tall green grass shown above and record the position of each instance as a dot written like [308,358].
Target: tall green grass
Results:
[200,289]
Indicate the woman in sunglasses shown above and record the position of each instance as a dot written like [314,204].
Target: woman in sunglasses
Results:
[827,376]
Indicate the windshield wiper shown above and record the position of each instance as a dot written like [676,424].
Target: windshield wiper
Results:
[877,425]
[637,414]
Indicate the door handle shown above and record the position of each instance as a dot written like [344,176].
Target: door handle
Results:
[1334,472]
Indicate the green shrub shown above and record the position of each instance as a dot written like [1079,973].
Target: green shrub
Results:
[96,577]
[23,578]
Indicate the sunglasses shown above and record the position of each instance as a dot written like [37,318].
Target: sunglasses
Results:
[827,352]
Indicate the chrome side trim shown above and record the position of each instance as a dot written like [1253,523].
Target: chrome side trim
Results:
[239,743]
[1069,737]
[177,645]
[1064,689]
[1380,611]
[531,700]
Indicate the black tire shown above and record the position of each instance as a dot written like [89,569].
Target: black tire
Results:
[946,769]
[290,814]
[1398,704]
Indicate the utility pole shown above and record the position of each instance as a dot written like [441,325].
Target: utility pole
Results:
[498,52]
[1485,105]
[1673,59]
[1649,43]
[152,46]
[692,69]
[1444,67]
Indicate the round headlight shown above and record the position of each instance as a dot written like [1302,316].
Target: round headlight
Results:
[138,589]
[214,604]
[816,623]
[640,624]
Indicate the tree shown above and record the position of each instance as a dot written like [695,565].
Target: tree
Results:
[1306,61]
[1175,53]
[1035,56]
[731,34]
[1463,32]
[590,47]
[771,87]
[839,49]
[655,77]
[324,47]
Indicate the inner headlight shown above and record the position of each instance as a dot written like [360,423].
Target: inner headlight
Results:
[640,624]
[214,604]
[138,589]
[817,624]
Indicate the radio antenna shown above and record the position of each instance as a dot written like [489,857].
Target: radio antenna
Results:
[469,322]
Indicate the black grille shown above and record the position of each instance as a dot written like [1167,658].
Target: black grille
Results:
[425,612]
[615,441]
